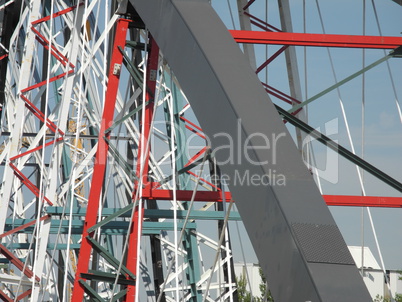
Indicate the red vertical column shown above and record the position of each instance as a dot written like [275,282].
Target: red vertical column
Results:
[142,161]
[143,150]
[101,157]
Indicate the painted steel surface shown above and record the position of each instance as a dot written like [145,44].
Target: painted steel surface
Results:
[296,240]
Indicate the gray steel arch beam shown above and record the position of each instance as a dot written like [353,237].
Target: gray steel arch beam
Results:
[297,242]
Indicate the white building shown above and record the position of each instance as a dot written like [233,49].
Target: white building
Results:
[373,275]
[252,273]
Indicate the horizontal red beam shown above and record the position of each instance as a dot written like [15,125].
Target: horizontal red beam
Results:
[324,40]
[331,200]
[363,201]
[185,195]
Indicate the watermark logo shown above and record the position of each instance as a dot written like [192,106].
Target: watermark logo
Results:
[235,148]
[247,178]
[329,170]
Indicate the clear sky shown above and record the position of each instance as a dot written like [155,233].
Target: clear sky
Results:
[375,127]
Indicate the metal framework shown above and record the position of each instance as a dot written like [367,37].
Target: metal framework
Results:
[102,196]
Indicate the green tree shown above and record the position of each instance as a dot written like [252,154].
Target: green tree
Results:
[379,298]
[245,295]
[398,297]
[265,292]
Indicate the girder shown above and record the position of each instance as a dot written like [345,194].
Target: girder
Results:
[74,139]
[322,40]
[285,223]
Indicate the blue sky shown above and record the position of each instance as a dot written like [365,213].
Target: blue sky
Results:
[382,138]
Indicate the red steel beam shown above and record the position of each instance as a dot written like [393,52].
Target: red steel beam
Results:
[185,195]
[54,51]
[261,23]
[191,123]
[36,149]
[39,114]
[279,94]
[144,147]
[192,129]
[17,262]
[100,159]
[324,40]
[25,180]
[24,294]
[196,156]
[363,201]
[24,226]
[4,297]
[270,59]
[55,15]
[331,200]
[248,4]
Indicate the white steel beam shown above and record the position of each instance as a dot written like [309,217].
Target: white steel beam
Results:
[17,127]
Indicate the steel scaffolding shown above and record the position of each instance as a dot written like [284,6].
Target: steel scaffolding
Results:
[110,188]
